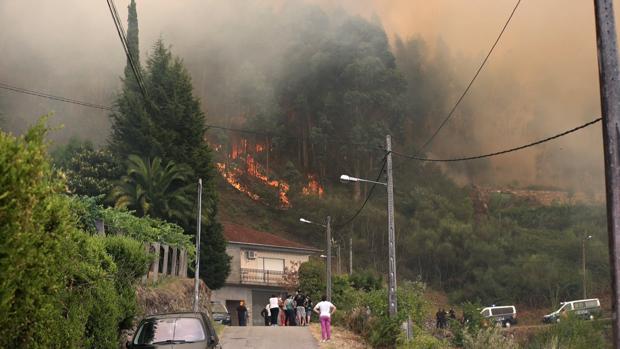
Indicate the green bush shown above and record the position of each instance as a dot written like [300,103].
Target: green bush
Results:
[59,286]
[35,230]
[132,262]
[572,333]
[490,337]
[421,340]
[385,332]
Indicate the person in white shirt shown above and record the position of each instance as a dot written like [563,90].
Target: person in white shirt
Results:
[274,309]
[325,309]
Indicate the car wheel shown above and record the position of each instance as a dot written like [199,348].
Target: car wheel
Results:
[591,317]
[557,320]
[507,324]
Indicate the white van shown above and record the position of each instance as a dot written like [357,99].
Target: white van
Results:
[583,308]
[506,315]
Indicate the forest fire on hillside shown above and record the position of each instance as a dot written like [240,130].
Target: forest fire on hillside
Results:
[313,187]
[232,177]
[250,167]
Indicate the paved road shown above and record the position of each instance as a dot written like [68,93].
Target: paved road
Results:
[261,337]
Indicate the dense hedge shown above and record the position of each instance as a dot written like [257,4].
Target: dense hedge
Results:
[60,287]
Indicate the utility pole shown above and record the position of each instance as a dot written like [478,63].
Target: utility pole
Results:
[339,270]
[583,260]
[329,260]
[350,256]
[392,302]
[609,80]
[197,273]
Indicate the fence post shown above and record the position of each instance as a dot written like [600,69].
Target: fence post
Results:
[175,262]
[156,262]
[164,269]
[146,276]
[183,263]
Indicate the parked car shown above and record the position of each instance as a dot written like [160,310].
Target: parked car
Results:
[583,308]
[506,315]
[220,313]
[175,330]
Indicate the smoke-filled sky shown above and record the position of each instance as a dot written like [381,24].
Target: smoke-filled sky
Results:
[541,79]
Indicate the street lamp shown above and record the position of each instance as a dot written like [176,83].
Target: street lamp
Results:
[583,259]
[327,226]
[392,301]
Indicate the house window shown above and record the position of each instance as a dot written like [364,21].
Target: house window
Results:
[273,264]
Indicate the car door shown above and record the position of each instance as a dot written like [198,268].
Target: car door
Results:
[212,338]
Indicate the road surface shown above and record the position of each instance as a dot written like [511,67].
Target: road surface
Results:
[261,337]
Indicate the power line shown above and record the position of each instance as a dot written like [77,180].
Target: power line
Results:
[362,146]
[53,97]
[471,82]
[367,198]
[414,157]
[118,24]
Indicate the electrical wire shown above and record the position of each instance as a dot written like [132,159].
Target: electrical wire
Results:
[471,82]
[361,146]
[118,24]
[53,97]
[502,152]
[367,197]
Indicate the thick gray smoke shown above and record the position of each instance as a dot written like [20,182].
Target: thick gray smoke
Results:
[542,77]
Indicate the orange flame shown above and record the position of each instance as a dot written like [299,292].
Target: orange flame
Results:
[254,169]
[313,187]
[232,177]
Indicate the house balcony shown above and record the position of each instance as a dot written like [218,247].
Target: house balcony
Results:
[264,277]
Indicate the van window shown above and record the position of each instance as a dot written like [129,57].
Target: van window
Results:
[566,307]
[502,311]
[486,312]
[592,304]
[579,305]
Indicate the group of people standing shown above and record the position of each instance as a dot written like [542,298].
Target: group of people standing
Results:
[442,317]
[297,311]
[288,311]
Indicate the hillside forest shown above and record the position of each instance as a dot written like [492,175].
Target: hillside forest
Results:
[270,134]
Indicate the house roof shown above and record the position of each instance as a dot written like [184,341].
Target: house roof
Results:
[235,233]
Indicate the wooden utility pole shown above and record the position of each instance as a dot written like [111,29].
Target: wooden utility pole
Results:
[609,80]
[329,259]
[350,256]
[392,302]
[197,273]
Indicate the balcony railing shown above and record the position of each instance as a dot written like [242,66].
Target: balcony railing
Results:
[263,277]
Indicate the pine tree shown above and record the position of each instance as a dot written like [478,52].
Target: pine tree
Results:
[171,125]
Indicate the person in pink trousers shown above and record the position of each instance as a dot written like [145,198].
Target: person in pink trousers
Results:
[325,309]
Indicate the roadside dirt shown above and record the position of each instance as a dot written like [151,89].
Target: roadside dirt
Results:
[341,338]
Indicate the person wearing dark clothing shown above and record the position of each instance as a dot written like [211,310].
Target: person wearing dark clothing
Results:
[242,314]
[309,305]
[438,316]
[289,311]
[265,314]
[452,314]
[300,310]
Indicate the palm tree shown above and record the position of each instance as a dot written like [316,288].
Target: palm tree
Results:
[157,190]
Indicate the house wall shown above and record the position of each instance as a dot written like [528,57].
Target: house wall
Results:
[291,260]
[235,264]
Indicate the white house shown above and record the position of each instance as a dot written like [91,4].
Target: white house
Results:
[262,264]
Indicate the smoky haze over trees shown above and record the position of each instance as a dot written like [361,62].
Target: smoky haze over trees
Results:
[328,85]
[236,54]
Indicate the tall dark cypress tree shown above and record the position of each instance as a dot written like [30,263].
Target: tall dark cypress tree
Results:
[171,125]
[131,126]
[133,41]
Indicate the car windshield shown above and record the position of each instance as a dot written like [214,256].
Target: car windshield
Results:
[170,330]
[218,308]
